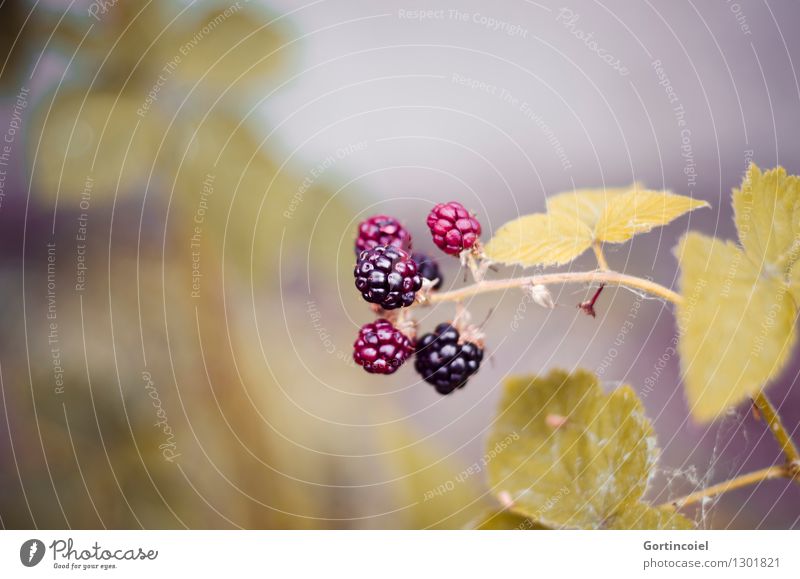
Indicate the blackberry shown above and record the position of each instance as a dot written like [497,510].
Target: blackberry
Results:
[381,348]
[445,363]
[428,268]
[453,228]
[382,230]
[387,276]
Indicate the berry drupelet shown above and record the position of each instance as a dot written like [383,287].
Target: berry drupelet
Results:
[444,362]
[382,230]
[454,229]
[381,348]
[387,276]
[428,268]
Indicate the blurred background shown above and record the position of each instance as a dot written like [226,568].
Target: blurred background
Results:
[180,184]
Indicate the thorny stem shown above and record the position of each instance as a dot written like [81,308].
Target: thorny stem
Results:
[772,472]
[596,276]
[588,306]
[778,430]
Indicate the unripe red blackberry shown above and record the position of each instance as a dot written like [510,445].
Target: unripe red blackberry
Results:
[454,229]
[387,276]
[382,230]
[445,363]
[428,268]
[381,348]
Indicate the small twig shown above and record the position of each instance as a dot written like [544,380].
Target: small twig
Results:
[597,276]
[776,427]
[600,256]
[758,476]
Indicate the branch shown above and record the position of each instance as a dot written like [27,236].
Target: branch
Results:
[772,472]
[597,276]
[777,428]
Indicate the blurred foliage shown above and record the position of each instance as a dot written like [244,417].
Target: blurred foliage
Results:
[12,44]
[148,145]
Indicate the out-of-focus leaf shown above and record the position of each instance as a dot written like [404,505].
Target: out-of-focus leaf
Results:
[540,239]
[767,210]
[642,516]
[504,520]
[567,454]
[737,326]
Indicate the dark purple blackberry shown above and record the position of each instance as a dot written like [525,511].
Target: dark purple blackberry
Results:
[387,276]
[428,268]
[381,348]
[445,363]
[382,230]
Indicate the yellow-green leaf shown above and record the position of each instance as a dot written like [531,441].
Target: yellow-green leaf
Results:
[504,520]
[540,239]
[767,210]
[736,326]
[642,516]
[794,285]
[566,454]
[586,205]
[639,211]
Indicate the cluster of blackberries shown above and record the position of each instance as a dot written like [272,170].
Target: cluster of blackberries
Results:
[389,275]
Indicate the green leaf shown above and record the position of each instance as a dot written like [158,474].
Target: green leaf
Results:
[565,453]
[767,213]
[736,326]
[539,239]
[642,516]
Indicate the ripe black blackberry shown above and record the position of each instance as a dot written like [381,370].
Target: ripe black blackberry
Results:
[387,276]
[382,230]
[381,348]
[444,362]
[428,268]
